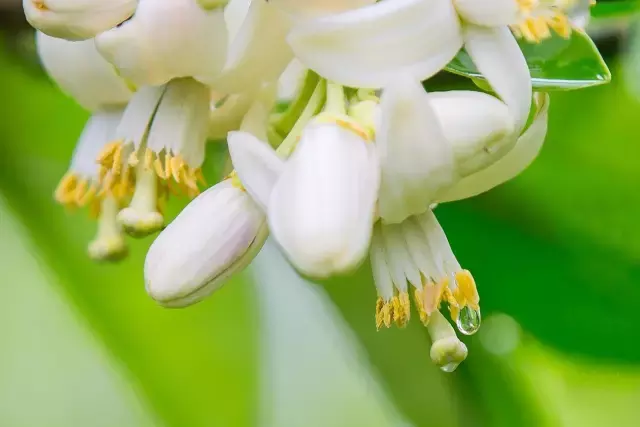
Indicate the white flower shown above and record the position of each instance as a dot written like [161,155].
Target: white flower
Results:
[322,208]
[81,186]
[230,49]
[258,52]
[77,19]
[515,161]
[216,235]
[416,254]
[478,126]
[427,142]
[167,39]
[162,135]
[81,72]
[321,203]
[366,46]
[311,8]
[369,47]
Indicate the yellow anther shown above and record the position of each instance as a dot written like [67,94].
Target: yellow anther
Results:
[379,316]
[167,165]
[467,290]
[133,159]
[387,314]
[401,309]
[65,188]
[540,17]
[148,159]
[157,167]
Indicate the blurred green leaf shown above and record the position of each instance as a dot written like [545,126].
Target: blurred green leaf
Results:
[196,367]
[556,64]
[616,8]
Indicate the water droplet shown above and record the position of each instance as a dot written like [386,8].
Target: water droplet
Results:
[449,367]
[469,321]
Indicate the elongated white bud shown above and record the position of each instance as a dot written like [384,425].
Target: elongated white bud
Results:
[77,19]
[478,126]
[321,210]
[216,235]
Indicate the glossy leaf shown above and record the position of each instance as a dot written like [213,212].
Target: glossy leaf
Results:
[556,64]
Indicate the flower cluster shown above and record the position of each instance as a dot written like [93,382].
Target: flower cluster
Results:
[352,169]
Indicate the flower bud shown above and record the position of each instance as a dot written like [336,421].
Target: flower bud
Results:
[216,235]
[166,40]
[321,210]
[478,126]
[77,19]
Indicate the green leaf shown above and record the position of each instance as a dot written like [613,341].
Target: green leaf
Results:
[556,64]
[194,367]
[614,9]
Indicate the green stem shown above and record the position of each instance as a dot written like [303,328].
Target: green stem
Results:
[336,100]
[284,122]
[314,106]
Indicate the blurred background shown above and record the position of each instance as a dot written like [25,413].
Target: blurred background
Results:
[555,253]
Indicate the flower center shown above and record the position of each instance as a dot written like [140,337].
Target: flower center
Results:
[539,18]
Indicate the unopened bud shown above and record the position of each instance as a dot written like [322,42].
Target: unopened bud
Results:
[216,235]
[77,19]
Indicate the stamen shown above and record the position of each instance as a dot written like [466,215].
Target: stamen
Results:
[109,244]
[396,310]
[142,218]
[540,17]
[384,313]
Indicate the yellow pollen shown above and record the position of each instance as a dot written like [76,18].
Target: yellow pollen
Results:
[346,123]
[171,169]
[39,4]
[396,310]
[540,17]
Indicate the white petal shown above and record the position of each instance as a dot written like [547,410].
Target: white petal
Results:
[77,19]
[181,121]
[498,57]
[80,71]
[138,114]
[258,53]
[217,234]
[228,116]
[290,80]
[369,46]
[166,39]
[478,126]
[99,130]
[416,160]
[235,14]
[322,209]
[257,165]
[308,8]
[418,247]
[488,13]
[256,121]
[379,267]
[514,162]
[399,260]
